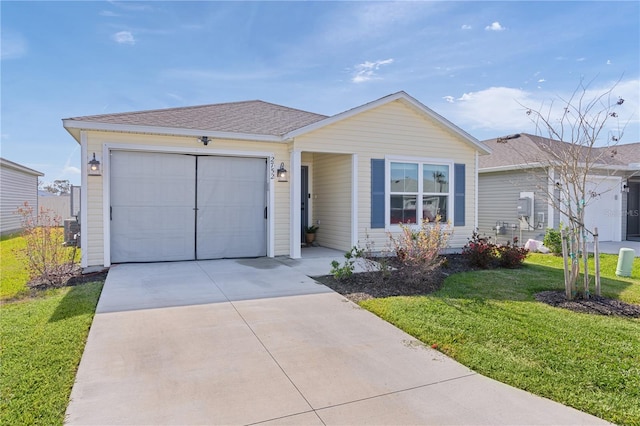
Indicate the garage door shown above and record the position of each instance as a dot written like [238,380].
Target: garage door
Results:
[603,208]
[168,207]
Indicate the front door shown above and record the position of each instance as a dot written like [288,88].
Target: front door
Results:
[304,197]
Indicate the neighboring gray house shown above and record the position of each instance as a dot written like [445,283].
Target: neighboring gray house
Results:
[515,180]
[17,185]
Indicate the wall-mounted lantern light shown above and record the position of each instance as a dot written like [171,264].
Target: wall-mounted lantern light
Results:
[94,167]
[282,174]
[205,140]
[625,187]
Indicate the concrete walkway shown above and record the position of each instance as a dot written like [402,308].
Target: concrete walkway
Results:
[258,342]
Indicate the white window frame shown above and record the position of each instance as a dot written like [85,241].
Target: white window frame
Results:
[420,161]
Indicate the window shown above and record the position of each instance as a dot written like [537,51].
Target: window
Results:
[418,190]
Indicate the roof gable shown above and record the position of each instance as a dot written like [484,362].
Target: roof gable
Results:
[403,97]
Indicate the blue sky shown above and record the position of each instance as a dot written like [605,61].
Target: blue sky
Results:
[472,62]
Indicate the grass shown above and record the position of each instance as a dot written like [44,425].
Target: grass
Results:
[42,337]
[13,274]
[490,322]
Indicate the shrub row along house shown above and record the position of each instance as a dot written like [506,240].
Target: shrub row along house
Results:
[243,179]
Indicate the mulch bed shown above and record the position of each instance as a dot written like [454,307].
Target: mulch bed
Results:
[69,280]
[371,285]
[594,305]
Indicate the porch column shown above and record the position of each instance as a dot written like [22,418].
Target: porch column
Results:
[354,200]
[295,188]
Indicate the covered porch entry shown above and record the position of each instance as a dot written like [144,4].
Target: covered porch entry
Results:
[324,193]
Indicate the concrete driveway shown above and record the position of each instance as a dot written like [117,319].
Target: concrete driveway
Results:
[257,341]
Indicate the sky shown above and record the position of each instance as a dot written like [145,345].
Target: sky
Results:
[479,64]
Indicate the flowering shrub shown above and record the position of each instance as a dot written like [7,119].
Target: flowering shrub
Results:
[48,260]
[420,247]
[480,252]
[511,256]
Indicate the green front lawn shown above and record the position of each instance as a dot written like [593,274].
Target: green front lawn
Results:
[490,322]
[42,338]
[13,273]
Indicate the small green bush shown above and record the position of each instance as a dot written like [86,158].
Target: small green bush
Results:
[553,241]
[344,271]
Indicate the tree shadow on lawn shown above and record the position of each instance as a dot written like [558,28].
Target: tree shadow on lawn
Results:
[80,300]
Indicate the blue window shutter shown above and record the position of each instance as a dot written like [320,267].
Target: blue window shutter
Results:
[377,193]
[458,195]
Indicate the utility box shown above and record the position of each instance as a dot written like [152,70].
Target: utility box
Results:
[525,207]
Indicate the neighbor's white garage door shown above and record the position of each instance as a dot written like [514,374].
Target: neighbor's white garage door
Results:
[183,207]
[604,207]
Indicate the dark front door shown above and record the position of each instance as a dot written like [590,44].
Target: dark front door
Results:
[633,211]
[304,198]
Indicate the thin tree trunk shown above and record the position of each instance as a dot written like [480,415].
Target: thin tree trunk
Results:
[585,256]
[596,258]
[565,260]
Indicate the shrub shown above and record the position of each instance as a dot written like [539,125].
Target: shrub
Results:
[344,271]
[480,251]
[48,260]
[553,241]
[511,256]
[420,247]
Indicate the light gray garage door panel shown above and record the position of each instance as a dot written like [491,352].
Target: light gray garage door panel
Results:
[231,207]
[152,202]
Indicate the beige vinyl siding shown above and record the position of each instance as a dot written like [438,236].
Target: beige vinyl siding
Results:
[332,200]
[96,140]
[498,195]
[393,129]
[16,188]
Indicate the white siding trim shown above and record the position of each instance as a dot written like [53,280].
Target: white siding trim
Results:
[84,215]
[475,180]
[354,200]
[106,205]
[171,131]
[271,209]
[295,188]
[551,191]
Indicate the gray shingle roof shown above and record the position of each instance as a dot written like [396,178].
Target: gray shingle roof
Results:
[249,117]
[528,149]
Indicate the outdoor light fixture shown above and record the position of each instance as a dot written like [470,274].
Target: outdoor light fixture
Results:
[94,167]
[625,187]
[205,140]
[282,174]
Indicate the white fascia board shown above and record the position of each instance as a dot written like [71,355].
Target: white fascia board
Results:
[171,131]
[385,100]
[512,167]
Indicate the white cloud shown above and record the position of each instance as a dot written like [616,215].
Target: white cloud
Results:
[465,27]
[494,27]
[12,45]
[124,37]
[449,99]
[108,13]
[542,80]
[71,170]
[367,70]
[581,59]
[502,110]
[608,61]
